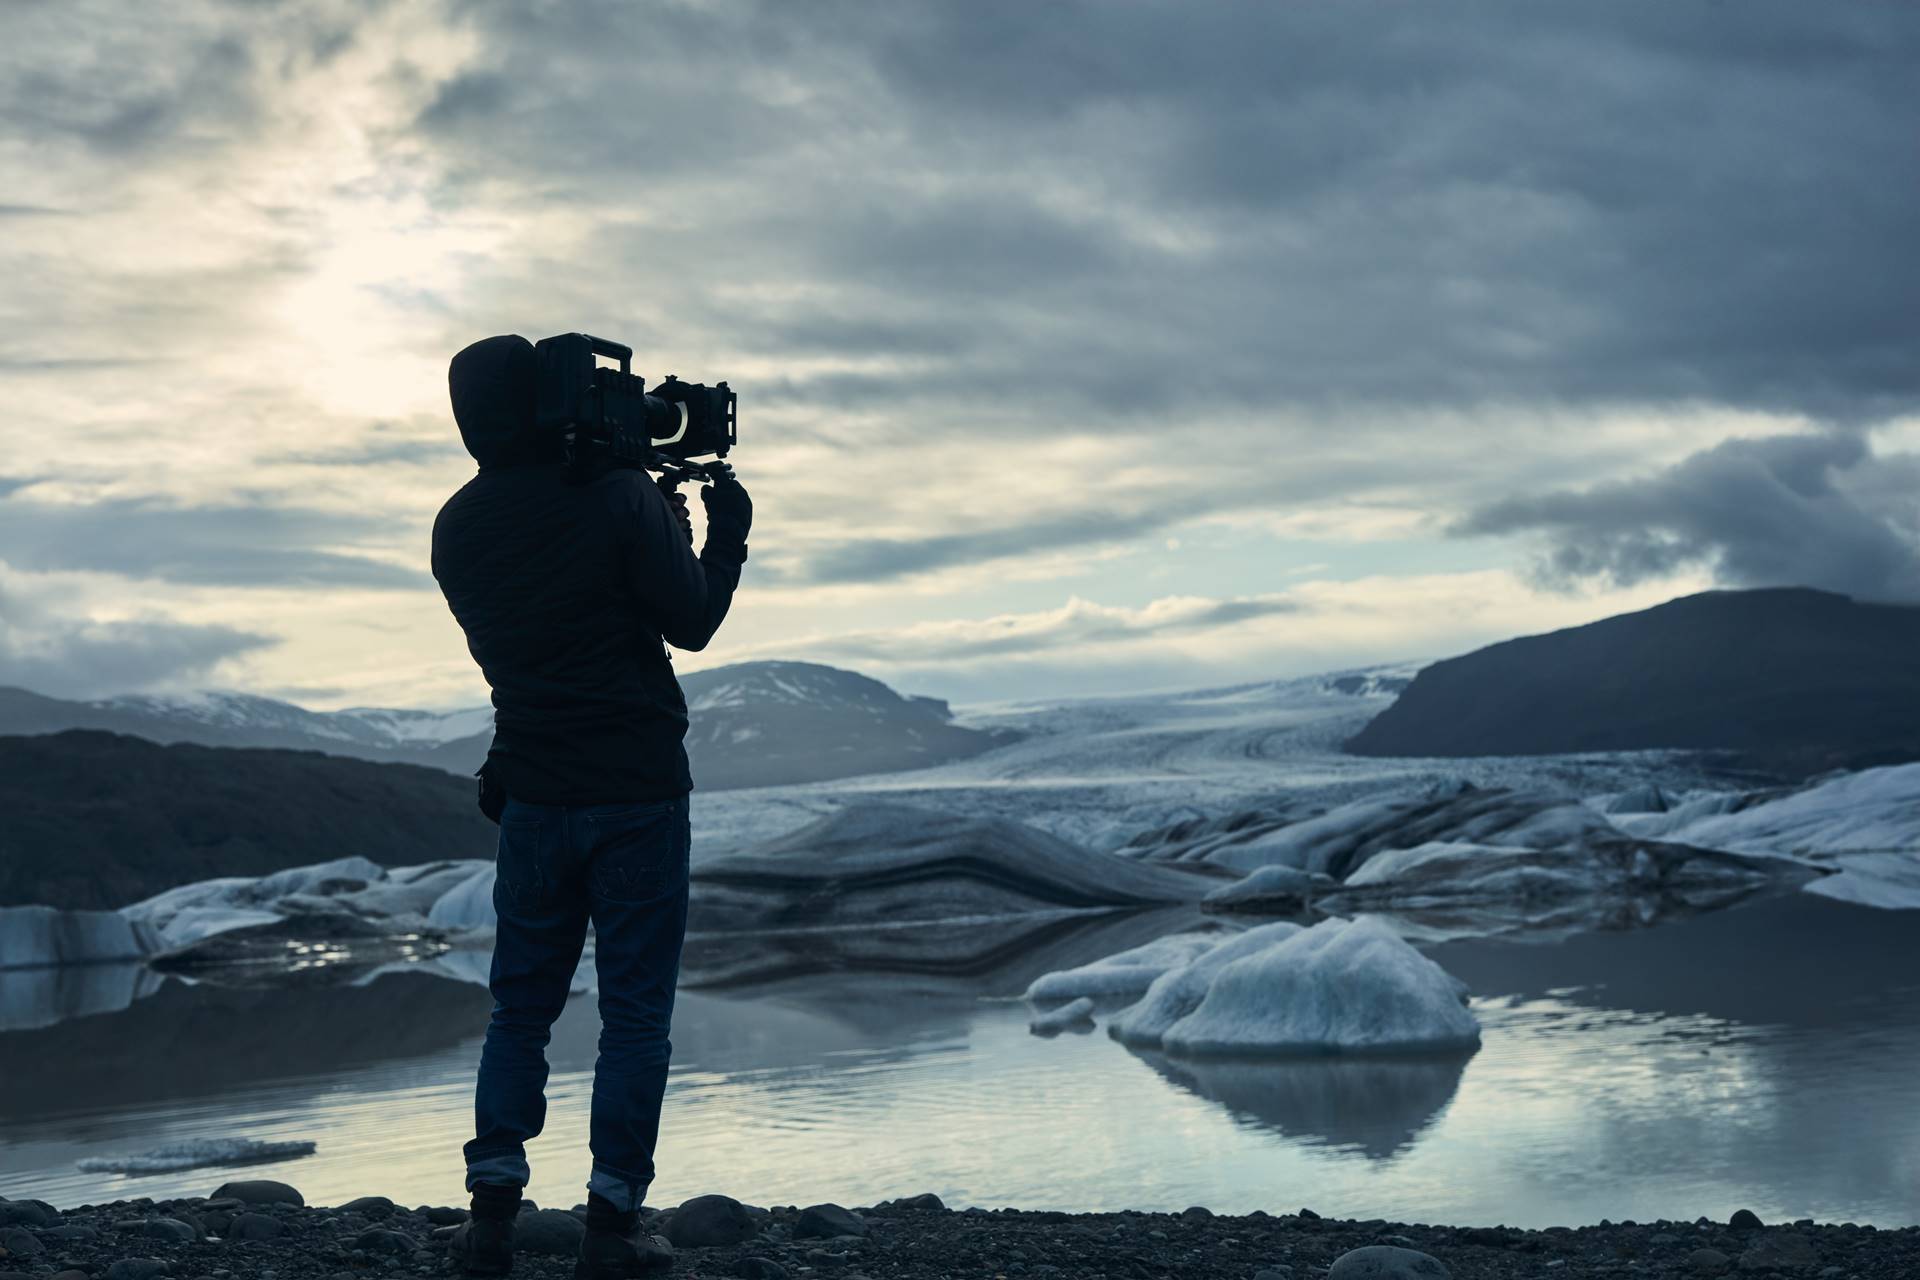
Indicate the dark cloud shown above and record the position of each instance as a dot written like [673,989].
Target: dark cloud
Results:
[1286,204]
[73,658]
[1809,510]
[250,546]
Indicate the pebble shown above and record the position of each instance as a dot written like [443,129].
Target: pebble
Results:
[255,1226]
[20,1242]
[823,1221]
[1782,1251]
[1709,1262]
[707,1221]
[259,1191]
[158,1229]
[759,1269]
[1745,1220]
[381,1240]
[136,1269]
[445,1216]
[1387,1262]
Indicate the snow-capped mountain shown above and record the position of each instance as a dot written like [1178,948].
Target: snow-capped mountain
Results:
[224,719]
[763,723]
[753,724]
[385,727]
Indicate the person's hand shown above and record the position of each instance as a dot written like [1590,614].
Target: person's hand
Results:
[729,509]
[677,503]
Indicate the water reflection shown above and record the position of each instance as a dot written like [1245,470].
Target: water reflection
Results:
[1375,1106]
[1762,1056]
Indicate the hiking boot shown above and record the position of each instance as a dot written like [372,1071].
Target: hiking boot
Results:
[615,1255]
[483,1246]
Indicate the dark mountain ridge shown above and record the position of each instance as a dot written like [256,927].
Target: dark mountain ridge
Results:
[100,820]
[1791,679]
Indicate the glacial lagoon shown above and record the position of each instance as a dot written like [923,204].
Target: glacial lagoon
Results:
[1759,1056]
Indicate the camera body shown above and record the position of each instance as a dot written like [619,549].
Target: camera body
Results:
[606,418]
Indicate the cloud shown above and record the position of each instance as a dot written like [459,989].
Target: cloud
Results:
[76,657]
[1817,510]
[1076,625]
[245,546]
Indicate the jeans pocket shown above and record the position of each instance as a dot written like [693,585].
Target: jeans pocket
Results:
[520,880]
[639,852]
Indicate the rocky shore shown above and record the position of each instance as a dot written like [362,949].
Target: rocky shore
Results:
[261,1230]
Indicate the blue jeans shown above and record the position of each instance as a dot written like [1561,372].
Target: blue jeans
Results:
[624,867]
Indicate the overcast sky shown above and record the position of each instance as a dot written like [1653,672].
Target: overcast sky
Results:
[1081,346]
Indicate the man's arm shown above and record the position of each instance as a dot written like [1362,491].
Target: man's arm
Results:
[686,597]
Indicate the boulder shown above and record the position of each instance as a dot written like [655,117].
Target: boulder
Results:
[371,1206]
[706,1221]
[824,1221]
[259,1191]
[1387,1262]
[553,1232]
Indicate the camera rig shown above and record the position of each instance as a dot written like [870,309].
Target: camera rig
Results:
[607,418]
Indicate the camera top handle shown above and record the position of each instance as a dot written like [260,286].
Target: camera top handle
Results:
[611,350]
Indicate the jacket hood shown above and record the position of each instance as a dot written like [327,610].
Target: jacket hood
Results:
[493,384]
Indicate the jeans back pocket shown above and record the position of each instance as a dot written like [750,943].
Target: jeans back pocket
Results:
[639,851]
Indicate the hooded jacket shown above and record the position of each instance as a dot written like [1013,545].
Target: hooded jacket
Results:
[569,592]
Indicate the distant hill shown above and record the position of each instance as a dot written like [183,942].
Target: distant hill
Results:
[99,820]
[758,724]
[216,719]
[1793,678]
[753,724]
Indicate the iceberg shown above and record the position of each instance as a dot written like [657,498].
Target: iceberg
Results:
[1071,1015]
[34,937]
[354,895]
[1340,987]
[466,907]
[1124,973]
[1179,991]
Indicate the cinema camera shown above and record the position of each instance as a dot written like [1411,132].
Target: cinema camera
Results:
[607,418]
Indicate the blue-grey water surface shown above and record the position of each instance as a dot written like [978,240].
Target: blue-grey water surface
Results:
[1760,1057]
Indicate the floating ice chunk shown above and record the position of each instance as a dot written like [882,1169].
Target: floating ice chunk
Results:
[1124,973]
[1074,1013]
[1178,992]
[34,936]
[468,905]
[1341,986]
[198,1153]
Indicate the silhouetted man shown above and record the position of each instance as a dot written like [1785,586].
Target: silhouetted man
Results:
[566,591]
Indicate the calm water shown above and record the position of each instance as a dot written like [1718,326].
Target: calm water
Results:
[1762,1057]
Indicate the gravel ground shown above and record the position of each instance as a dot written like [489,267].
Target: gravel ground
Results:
[260,1231]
